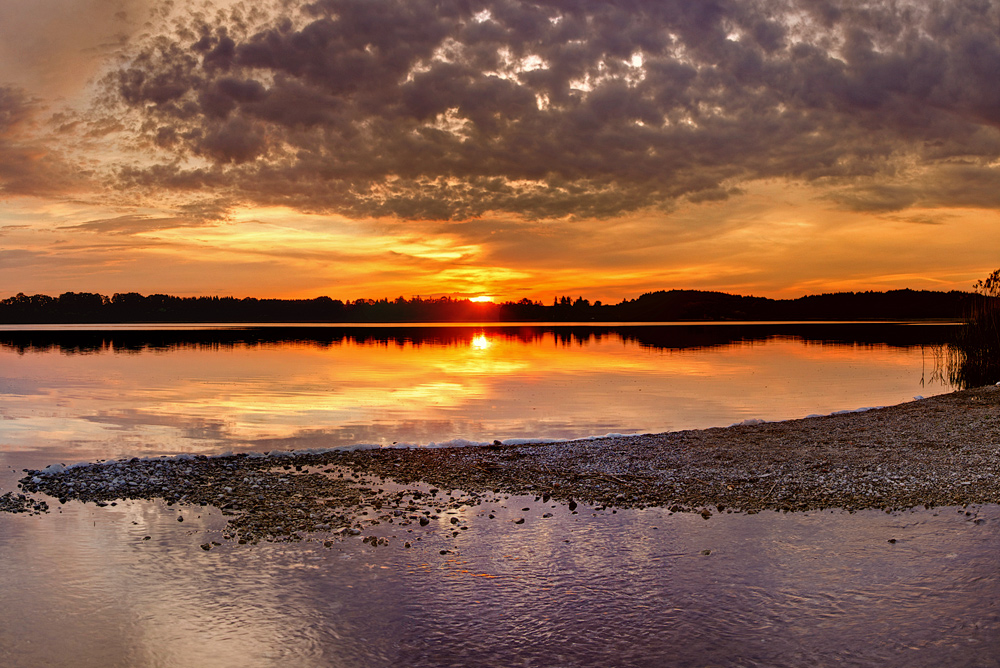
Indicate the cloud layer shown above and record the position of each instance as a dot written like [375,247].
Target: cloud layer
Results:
[453,109]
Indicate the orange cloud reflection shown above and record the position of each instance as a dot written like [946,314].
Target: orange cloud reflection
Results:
[478,384]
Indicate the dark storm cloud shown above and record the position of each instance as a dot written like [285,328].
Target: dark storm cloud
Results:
[548,108]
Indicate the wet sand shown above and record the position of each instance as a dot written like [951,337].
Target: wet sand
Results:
[941,451]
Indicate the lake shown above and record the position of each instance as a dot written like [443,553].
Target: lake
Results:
[126,392]
[83,587]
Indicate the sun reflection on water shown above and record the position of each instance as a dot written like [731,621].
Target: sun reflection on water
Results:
[480,342]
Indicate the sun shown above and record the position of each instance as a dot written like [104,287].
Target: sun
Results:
[481,298]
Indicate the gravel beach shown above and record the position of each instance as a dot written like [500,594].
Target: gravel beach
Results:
[940,451]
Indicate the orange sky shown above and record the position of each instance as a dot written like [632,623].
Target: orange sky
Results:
[355,148]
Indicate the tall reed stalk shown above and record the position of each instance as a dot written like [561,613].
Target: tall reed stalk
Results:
[976,359]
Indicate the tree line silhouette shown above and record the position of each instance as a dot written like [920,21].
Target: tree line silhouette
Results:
[663,305]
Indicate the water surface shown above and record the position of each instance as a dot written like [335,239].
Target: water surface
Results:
[100,394]
[631,589]
[83,586]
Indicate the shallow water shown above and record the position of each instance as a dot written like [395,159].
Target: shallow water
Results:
[633,588]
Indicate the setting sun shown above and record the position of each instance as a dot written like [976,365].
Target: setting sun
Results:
[481,298]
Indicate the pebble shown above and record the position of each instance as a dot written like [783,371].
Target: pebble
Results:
[22,503]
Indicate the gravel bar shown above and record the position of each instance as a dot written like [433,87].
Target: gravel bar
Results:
[940,451]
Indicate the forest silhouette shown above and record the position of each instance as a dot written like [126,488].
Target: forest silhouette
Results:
[660,306]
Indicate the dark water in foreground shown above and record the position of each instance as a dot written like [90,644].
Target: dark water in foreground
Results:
[82,588]
[629,589]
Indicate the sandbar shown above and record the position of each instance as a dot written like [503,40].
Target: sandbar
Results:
[939,451]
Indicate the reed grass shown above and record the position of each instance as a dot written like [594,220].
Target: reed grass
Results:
[976,355]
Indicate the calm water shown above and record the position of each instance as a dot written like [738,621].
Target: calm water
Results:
[81,587]
[120,393]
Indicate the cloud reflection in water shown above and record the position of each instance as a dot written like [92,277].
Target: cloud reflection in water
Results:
[420,386]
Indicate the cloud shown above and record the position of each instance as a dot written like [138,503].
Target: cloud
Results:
[53,47]
[129,225]
[950,184]
[19,257]
[454,109]
[918,219]
[27,165]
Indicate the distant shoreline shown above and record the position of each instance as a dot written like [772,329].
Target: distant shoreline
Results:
[660,306]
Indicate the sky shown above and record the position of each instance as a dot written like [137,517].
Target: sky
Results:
[510,148]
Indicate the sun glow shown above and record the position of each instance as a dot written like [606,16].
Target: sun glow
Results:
[480,342]
[481,298]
